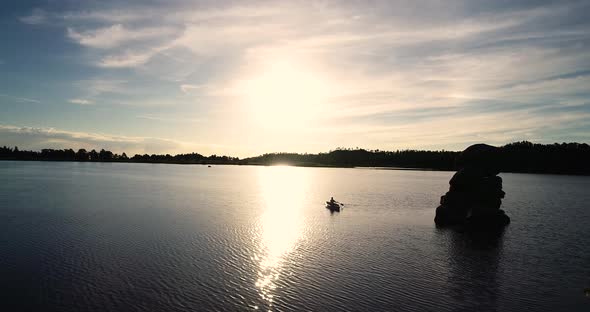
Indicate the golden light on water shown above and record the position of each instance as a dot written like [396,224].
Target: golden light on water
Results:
[281,224]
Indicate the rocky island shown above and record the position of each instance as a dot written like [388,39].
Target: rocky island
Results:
[475,193]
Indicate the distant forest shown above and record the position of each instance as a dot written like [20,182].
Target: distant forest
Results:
[526,157]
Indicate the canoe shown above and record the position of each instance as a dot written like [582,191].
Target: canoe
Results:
[332,206]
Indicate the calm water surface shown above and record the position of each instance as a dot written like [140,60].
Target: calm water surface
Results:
[141,237]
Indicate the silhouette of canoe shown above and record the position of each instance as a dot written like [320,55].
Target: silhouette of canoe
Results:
[333,206]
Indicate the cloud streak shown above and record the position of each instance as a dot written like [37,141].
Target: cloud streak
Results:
[20,99]
[81,101]
[37,16]
[117,35]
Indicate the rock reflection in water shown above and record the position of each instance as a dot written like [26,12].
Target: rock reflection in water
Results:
[474,259]
[281,224]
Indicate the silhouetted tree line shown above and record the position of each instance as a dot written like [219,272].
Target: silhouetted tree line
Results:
[525,157]
[192,158]
[440,160]
[564,158]
[60,155]
[7,153]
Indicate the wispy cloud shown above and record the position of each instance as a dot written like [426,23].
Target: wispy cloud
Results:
[97,87]
[37,16]
[116,35]
[171,119]
[189,88]
[19,99]
[81,101]
[127,59]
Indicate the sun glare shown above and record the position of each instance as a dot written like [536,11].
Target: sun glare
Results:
[284,93]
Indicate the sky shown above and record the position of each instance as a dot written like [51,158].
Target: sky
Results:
[243,78]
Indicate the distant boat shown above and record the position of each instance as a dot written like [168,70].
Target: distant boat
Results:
[333,206]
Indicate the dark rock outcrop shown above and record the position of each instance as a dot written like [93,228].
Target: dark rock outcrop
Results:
[475,194]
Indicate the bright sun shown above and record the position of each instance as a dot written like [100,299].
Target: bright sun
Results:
[284,93]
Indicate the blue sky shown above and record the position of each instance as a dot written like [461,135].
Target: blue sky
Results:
[248,77]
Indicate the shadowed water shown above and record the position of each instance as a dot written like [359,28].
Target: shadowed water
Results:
[140,237]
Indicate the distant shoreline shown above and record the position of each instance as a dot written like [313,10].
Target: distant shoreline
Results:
[518,157]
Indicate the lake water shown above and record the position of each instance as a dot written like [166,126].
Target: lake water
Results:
[142,237]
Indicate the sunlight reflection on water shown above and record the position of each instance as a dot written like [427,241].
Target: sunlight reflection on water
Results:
[283,191]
